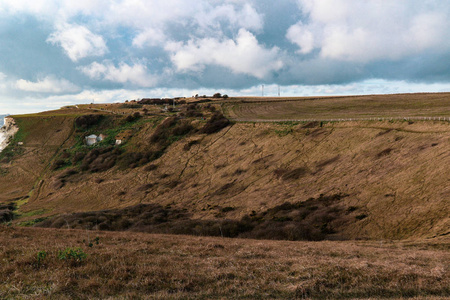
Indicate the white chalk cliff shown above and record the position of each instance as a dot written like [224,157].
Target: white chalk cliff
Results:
[8,130]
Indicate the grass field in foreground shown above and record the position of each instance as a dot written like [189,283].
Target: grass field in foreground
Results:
[134,266]
[323,108]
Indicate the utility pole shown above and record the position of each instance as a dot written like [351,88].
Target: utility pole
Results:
[278,91]
[262,90]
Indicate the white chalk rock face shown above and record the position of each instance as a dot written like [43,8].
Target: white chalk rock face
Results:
[7,131]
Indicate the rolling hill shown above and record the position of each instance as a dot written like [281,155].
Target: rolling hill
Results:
[195,173]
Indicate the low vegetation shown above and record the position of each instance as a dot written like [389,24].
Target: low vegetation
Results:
[195,174]
[104,155]
[339,107]
[216,123]
[50,263]
[310,220]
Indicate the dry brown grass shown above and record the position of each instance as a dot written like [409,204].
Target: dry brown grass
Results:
[43,136]
[403,191]
[135,266]
[399,105]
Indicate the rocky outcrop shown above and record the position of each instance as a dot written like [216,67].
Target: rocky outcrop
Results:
[7,132]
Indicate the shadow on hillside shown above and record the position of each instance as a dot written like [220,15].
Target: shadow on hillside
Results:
[313,220]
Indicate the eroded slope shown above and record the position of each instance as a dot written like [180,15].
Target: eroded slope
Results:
[391,176]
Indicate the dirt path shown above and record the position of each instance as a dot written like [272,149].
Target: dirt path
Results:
[444,119]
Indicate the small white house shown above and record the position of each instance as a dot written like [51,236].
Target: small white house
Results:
[91,139]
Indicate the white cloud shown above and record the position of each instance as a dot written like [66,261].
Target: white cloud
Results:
[48,84]
[136,74]
[78,41]
[302,36]
[241,17]
[2,76]
[149,19]
[364,31]
[33,7]
[149,36]
[245,55]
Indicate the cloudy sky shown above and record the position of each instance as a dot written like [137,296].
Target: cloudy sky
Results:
[60,52]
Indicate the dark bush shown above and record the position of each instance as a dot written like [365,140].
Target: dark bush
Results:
[189,144]
[217,95]
[216,123]
[6,215]
[151,101]
[295,174]
[131,105]
[151,167]
[223,189]
[145,187]
[227,209]
[78,156]
[183,128]
[209,107]
[130,160]
[159,101]
[385,152]
[59,163]
[290,174]
[193,111]
[193,114]
[162,131]
[100,159]
[133,117]
[290,221]
[361,216]
[87,121]
[99,180]
[9,206]
[67,173]
[311,124]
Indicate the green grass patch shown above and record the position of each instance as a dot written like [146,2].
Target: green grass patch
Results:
[37,212]
[32,222]
[21,202]
[286,128]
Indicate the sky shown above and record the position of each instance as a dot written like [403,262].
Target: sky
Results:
[62,52]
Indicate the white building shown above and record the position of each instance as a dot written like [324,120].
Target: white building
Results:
[91,139]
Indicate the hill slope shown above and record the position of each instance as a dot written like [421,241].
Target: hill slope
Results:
[364,179]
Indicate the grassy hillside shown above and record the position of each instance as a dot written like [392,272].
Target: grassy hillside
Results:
[324,108]
[68,264]
[335,180]
[22,165]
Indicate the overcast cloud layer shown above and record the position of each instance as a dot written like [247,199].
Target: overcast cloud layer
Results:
[54,53]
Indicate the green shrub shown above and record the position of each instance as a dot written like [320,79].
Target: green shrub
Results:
[74,255]
[40,256]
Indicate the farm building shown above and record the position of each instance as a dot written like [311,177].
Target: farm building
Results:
[92,139]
